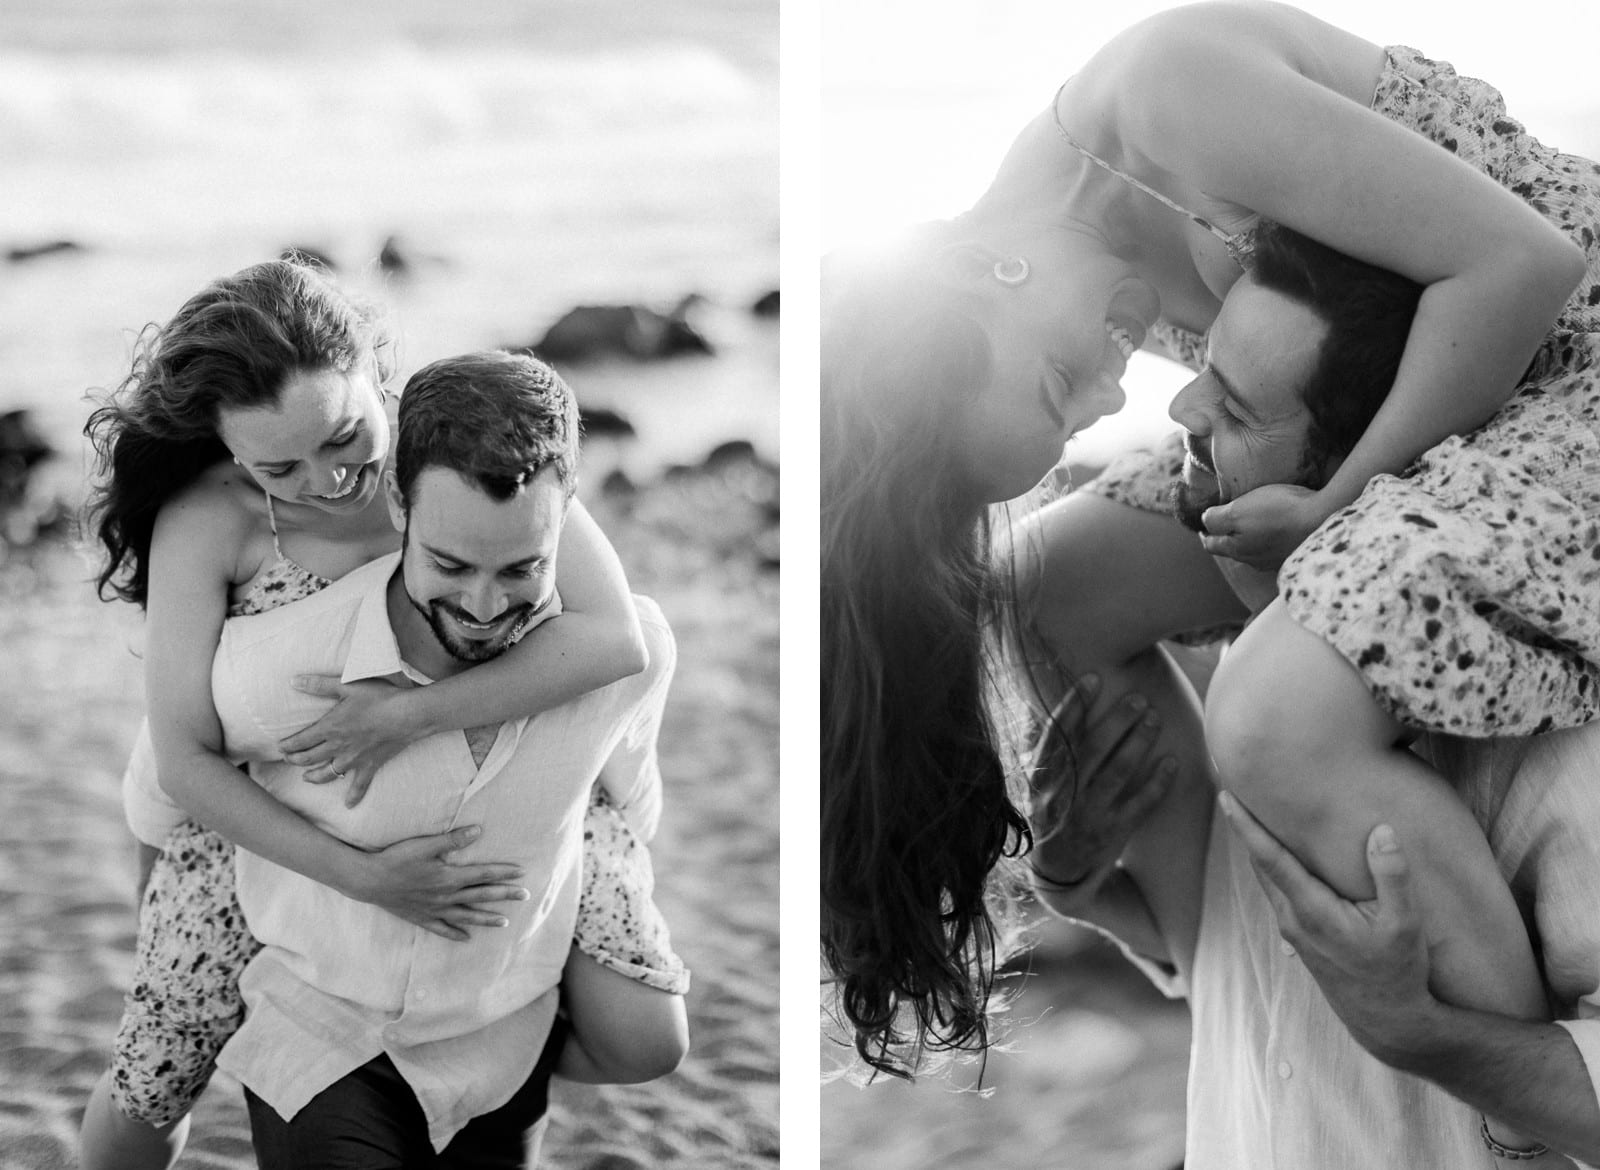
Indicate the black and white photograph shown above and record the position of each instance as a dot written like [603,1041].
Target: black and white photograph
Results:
[1210,585]
[389,563]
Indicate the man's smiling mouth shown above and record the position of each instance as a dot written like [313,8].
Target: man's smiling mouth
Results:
[1198,457]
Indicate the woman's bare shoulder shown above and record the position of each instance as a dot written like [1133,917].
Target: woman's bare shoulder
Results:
[1146,58]
[1167,79]
[221,511]
[1178,46]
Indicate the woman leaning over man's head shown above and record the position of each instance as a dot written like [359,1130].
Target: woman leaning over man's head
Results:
[950,379]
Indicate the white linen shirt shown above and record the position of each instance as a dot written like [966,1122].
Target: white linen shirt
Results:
[1275,1079]
[338,981]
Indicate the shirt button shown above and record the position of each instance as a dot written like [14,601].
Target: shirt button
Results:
[1284,1070]
[1286,947]
[421,995]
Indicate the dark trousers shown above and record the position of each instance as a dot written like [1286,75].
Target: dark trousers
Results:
[370,1120]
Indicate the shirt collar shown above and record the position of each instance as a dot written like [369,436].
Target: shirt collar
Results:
[374,653]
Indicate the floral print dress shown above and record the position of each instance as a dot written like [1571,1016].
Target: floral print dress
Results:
[1466,591]
[193,942]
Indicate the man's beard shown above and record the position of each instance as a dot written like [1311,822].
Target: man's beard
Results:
[472,649]
[1189,504]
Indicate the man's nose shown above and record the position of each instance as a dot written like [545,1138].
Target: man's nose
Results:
[1185,409]
[485,601]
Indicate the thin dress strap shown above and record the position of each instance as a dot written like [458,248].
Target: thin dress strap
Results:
[1055,111]
[272,522]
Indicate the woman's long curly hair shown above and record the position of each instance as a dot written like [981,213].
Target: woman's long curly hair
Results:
[232,345]
[915,807]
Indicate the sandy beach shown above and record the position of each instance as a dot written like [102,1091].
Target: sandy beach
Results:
[520,159]
[1089,1074]
[72,693]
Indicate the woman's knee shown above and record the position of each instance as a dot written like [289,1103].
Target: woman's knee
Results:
[654,1045]
[1284,712]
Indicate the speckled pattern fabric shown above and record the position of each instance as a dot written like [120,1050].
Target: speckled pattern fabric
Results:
[283,582]
[185,1002]
[619,925]
[193,943]
[1467,591]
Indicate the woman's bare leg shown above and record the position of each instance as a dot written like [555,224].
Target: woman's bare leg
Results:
[1302,743]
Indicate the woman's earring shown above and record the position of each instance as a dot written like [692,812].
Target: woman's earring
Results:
[1012,272]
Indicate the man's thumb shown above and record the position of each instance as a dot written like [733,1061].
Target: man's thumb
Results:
[1391,872]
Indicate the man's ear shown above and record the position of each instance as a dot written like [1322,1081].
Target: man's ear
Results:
[396,502]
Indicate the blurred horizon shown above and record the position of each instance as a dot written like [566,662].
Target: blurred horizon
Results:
[527,158]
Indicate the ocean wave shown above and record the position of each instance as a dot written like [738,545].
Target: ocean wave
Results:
[395,96]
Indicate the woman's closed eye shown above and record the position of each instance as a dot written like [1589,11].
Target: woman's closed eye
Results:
[337,444]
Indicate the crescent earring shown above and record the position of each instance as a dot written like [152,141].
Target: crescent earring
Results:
[1012,272]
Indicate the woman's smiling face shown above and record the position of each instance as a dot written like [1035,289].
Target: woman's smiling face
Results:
[323,445]
[1059,345]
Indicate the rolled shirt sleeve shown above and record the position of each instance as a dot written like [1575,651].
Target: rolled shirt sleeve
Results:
[631,776]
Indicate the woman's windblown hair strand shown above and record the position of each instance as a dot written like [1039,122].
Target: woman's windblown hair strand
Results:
[915,812]
[233,344]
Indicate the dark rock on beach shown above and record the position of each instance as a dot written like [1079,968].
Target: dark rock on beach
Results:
[25,252]
[26,510]
[722,510]
[399,258]
[601,422]
[22,448]
[618,485]
[393,259]
[634,332]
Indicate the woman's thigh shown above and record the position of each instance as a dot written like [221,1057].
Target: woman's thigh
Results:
[1102,581]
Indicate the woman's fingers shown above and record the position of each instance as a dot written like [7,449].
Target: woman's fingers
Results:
[1118,744]
[1072,710]
[442,929]
[1052,755]
[360,780]
[1158,775]
[465,916]
[485,892]
[319,753]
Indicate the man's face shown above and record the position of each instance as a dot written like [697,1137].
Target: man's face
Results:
[1246,420]
[475,568]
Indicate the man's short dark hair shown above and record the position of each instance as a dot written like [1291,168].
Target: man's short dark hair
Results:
[1368,311]
[497,419]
